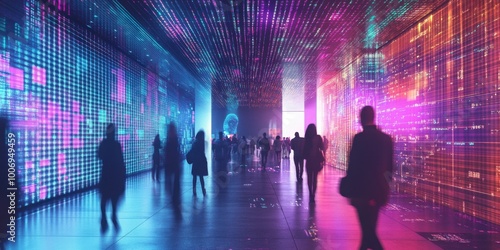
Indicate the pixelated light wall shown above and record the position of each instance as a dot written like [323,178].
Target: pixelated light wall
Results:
[436,91]
[60,85]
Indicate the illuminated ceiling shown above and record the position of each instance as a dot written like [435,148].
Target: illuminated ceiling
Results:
[240,46]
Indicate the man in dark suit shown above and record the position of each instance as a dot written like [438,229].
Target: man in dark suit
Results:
[297,145]
[370,166]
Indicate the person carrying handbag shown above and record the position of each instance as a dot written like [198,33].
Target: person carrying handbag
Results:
[368,174]
[313,148]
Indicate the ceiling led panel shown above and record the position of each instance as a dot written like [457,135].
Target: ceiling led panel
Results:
[239,46]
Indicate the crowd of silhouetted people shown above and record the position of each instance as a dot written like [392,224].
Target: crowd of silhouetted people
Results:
[370,166]
[369,170]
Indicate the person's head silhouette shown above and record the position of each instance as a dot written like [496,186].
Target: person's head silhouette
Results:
[367,116]
[200,136]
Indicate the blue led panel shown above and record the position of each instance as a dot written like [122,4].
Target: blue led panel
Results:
[60,85]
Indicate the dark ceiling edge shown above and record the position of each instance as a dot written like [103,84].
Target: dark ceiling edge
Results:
[392,39]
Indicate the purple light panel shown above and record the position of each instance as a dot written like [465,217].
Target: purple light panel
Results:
[60,85]
[436,91]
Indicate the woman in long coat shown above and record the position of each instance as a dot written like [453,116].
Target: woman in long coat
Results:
[313,148]
[199,168]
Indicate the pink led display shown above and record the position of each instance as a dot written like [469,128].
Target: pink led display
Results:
[436,91]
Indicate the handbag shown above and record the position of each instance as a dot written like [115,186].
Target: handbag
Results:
[321,156]
[346,187]
[190,157]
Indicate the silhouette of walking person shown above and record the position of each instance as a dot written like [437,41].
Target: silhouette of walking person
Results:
[113,173]
[297,144]
[221,156]
[277,145]
[265,146]
[155,171]
[243,149]
[313,148]
[172,164]
[200,166]
[370,168]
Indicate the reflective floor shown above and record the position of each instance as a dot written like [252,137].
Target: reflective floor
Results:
[254,210]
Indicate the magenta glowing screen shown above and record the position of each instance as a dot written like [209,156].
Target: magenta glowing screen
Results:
[60,85]
[436,89]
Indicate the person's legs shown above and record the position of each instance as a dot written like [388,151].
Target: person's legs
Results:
[368,216]
[243,159]
[202,182]
[221,171]
[374,240]
[315,182]
[176,197]
[278,158]
[104,221]
[157,171]
[194,185]
[301,168]
[298,170]
[310,184]
[114,207]
[153,171]
[264,160]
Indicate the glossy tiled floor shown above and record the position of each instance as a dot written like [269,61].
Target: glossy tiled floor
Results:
[254,210]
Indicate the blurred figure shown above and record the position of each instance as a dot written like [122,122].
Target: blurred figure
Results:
[277,145]
[265,146]
[243,149]
[113,173]
[155,171]
[252,146]
[313,154]
[221,155]
[286,148]
[297,144]
[370,166]
[200,165]
[172,164]
[4,183]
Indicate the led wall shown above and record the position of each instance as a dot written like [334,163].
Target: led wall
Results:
[61,84]
[436,91]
